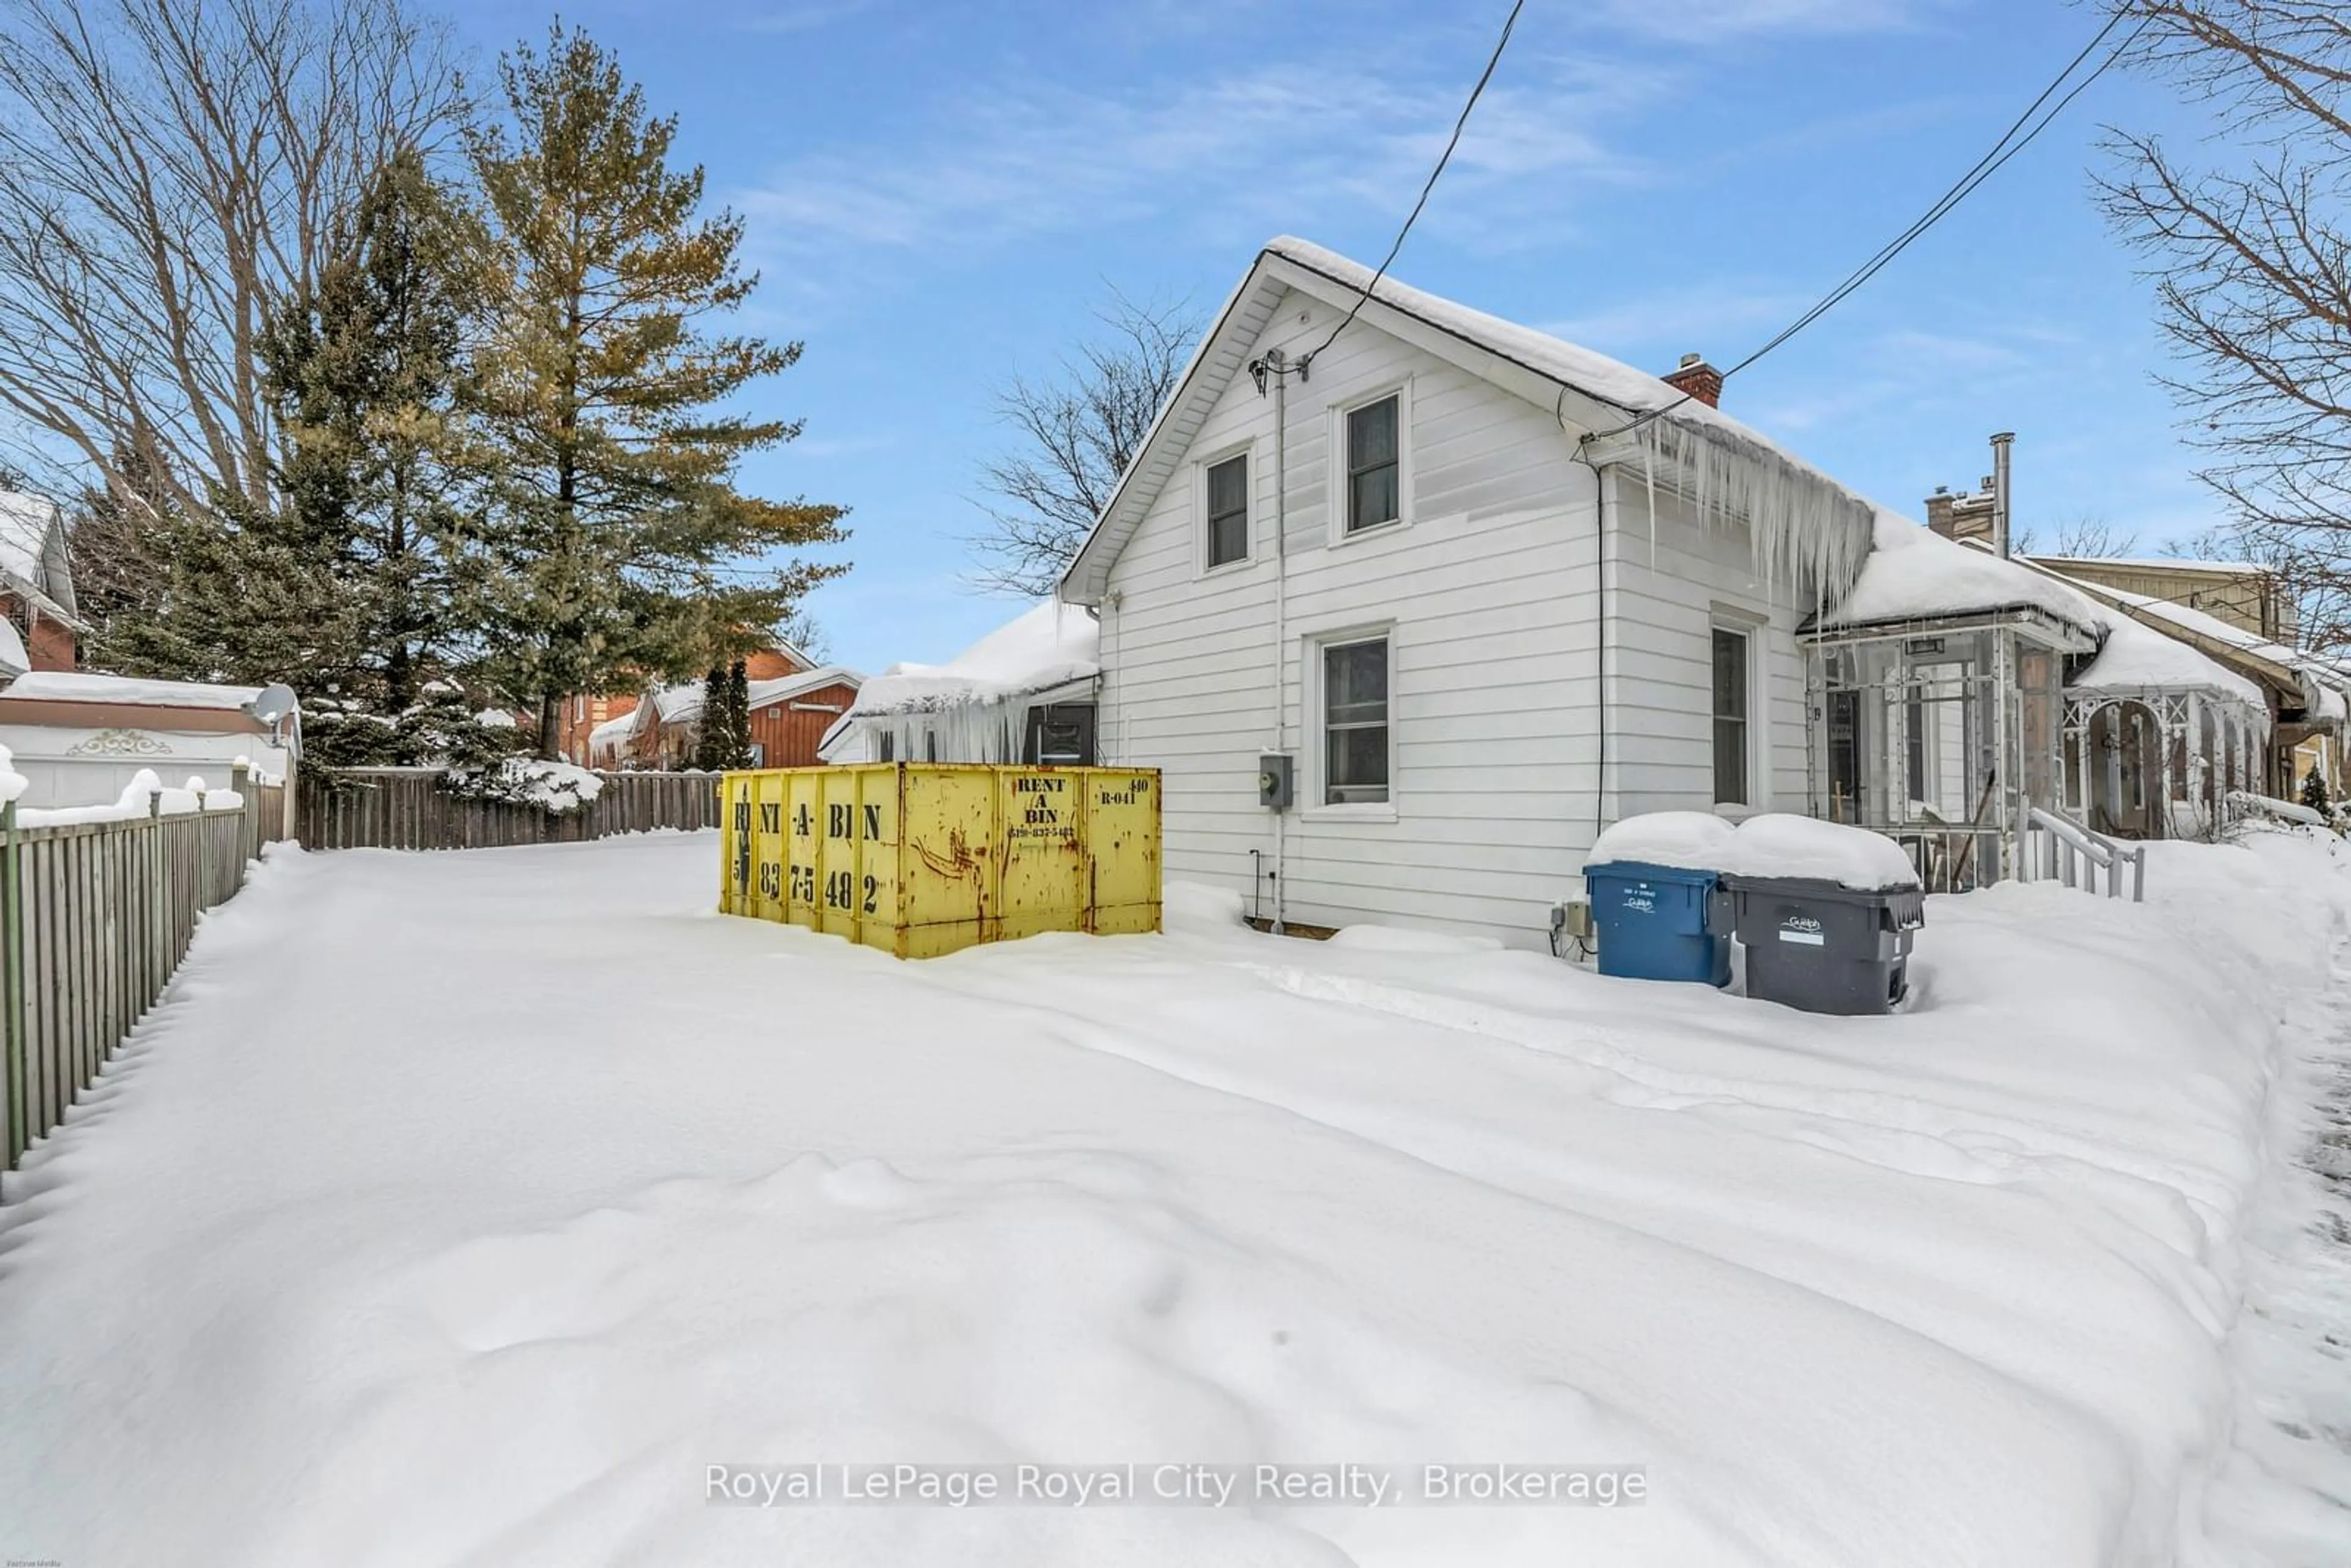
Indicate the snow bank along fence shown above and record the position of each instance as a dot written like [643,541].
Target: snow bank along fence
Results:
[406,809]
[921,858]
[95,913]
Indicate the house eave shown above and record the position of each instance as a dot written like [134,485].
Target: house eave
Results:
[2062,633]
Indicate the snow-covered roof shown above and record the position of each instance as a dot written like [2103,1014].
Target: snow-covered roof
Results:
[682,704]
[1051,644]
[678,703]
[782,687]
[612,729]
[1914,574]
[1800,516]
[2321,680]
[32,554]
[2136,658]
[14,660]
[2162,563]
[76,686]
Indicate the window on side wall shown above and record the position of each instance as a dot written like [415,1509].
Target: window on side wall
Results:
[1227,507]
[1356,722]
[1731,704]
[1375,470]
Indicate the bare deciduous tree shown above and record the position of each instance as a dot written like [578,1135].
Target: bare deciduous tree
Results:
[168,170]
[2248,248]
[2085,537]
[1076,435]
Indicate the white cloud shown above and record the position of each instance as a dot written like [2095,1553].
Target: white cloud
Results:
[1274,147]
[802,15]
[1720,320]
[1729,21]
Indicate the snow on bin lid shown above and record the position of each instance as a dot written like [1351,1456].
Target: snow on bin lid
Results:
[1779,843]
[1690,840]
[1776,843]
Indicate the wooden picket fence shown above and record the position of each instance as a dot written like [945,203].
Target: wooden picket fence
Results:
[94,917]
[406,809]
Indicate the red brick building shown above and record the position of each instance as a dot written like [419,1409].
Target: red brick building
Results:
[793,702]
[37,596]
[581,716]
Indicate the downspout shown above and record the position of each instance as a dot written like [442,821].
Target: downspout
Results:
[1280,612]
[1600,650]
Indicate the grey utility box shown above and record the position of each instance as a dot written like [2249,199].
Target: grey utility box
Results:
[1275,781]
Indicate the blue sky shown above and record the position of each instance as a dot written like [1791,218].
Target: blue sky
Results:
[941,196]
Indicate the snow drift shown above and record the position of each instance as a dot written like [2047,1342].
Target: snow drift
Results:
[461,1250]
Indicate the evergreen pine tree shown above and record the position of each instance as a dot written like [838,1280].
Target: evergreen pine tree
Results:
[738,715]
[2313,793]
[615,538]
[710,733]
[340,588]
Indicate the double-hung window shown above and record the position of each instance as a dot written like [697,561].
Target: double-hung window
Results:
[1730,689]
[1374,471]
[1227,505]
[1356,722]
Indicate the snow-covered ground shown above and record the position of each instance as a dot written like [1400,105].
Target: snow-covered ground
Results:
[542,1190]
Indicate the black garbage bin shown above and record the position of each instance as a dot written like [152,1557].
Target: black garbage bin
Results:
[1822,947]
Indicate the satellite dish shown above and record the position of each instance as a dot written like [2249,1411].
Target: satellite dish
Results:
[274,702]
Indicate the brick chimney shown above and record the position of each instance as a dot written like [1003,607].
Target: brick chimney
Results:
[1960,517]
[1699,379]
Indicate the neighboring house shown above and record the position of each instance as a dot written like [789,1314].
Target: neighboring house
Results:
[790,716]
[580,717]
[1955,691]
[2305,697]
[79,738]
[1480,590]
[37,592]
[1024,693]
[608,744]
[2249,597]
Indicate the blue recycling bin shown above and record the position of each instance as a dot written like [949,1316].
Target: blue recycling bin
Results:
[1653,922]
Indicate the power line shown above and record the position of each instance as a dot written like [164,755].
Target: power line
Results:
[1444,158]
[2009,145]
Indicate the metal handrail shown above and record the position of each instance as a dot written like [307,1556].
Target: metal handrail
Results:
[2075,854]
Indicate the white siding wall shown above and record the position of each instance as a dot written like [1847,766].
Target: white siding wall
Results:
[1490,593]
[1669,588]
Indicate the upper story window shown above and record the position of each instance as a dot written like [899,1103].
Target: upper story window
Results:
[1731,689]
[1356,722]
[1374,488]
[1229,522]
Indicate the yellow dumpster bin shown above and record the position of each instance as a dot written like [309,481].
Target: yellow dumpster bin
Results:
[920,858]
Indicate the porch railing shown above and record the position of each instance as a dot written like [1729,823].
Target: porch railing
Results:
[2057,849]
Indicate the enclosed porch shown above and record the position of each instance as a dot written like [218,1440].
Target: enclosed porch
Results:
[1941,733]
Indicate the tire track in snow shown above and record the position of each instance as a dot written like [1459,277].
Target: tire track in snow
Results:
[1895,1132]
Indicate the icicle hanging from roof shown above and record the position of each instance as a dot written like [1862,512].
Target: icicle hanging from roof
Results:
[1806,529]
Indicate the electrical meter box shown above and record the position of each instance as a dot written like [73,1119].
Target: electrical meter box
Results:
[1274,781]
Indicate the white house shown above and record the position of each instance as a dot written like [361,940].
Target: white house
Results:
[1488,592]
[1024,693]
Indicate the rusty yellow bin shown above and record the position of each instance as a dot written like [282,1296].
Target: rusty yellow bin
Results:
[920,858]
